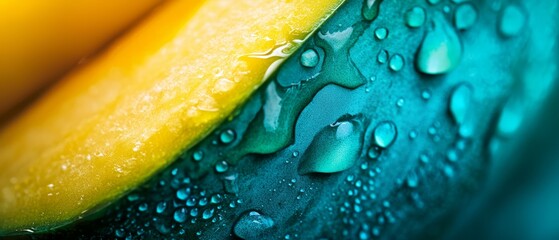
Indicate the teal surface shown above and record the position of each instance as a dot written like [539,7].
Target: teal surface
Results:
[392,122]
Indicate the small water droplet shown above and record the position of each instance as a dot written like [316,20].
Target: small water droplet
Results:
[512,21]
[412,180]
[382,56]
[441,49]
[426,94]
[182,193]
[221,166]
[208,213]
[381,33]
[194,212]
[309,58]
[396,62]
[374,152]
[511,117]
[227,136]
[252,225]
[465,16]
[161,207]
[143,207]
[203,202]
[413,134]
[180,215]
[415,17]
[400,102]
[452,155]
[216,198]
[133,197]
[433,2]
[198,155]
[460,100]
[385,133]
[119,232]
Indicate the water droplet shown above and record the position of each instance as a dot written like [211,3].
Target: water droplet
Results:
[161,207]
[374,152]
[413,134]
[440,50]
[133,197]
[216,198]
[424,158]
[426,94]
[182,194]
[227,136]
[208,213]
[221,166]
[194,212]
[180,215]
[412,181]
[143,207]
[512,21]
[385,133]
[382,56]
[381,33]
[371,9]
[335,148]
[511,117]
[295,154]
[452,155]
[203,202]
[191,202]
[400,102]
[465,16]
[119,232]
[460,100]
[309,58]
[415,17]
[396,62]
[433,2]
[252,225]
[198,155]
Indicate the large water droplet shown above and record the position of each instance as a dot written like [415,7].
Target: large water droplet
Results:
[335,148]
[252,225]
[465,16]
[441,49]
[396,62]
[512,21]
[309,58]
[415,17]
[371,9]
[385,133]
